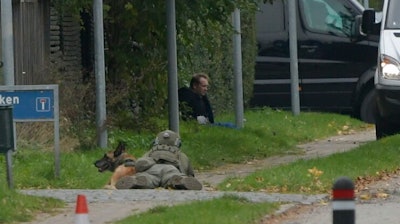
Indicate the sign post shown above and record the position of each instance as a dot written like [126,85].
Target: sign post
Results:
[34,103]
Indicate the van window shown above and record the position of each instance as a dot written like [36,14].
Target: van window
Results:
[393,16]
[271,17]
[327,16]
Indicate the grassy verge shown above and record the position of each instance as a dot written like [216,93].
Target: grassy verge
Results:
[226,210]
[368,161]
[317,175]
[22,208]
[266,133]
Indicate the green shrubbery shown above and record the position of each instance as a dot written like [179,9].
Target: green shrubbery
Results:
[136,58]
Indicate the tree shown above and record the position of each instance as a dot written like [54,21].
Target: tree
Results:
[136,52]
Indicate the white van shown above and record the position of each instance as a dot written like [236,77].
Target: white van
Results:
[387,75]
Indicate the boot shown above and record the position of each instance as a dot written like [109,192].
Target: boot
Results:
[184,183]
[132,182]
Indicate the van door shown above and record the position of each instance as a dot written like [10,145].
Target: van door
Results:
[330,64]
[272,72]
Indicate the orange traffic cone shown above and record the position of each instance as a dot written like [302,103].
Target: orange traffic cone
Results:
[81,211]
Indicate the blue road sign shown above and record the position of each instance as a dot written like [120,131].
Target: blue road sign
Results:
[30,104]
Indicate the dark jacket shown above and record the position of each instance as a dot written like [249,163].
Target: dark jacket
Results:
[192,105]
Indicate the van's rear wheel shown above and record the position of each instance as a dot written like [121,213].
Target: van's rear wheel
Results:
[368,107]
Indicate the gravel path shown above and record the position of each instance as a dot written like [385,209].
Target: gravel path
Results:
[107,206]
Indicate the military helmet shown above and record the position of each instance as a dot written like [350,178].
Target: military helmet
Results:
[169,138]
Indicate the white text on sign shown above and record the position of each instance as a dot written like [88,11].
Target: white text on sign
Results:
[9,99]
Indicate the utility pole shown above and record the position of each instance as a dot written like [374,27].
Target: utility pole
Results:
[294,71]
[101,125]
[237,70]
[7,44]
[173,105]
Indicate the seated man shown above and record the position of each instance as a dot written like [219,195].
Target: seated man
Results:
[193,101]
[163,166]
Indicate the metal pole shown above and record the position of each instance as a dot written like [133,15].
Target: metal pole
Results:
[173,106]
[10,179]
[237,70]
[101,125]
[294,72]
[366,4]
[56,134]
[7,44]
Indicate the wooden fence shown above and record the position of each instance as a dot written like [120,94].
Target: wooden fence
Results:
[44,43]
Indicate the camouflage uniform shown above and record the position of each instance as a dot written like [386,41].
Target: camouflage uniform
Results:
[163,166]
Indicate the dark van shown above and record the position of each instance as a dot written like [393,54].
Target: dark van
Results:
[336,64]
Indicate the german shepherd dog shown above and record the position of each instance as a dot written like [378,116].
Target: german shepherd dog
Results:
[114,161]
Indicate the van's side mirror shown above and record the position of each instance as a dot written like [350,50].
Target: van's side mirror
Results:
[368,21]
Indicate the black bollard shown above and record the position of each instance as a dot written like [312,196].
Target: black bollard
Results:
[7,139]
[343,203]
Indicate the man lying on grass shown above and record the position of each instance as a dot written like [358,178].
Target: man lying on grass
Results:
[163,166]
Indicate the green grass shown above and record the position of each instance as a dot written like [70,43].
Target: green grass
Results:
[365,161]
[225,210]
[22,208]
[266,133]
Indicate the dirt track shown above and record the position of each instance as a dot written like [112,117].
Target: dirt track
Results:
[106,206]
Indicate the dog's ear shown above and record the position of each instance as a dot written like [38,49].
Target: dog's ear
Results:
[120,149]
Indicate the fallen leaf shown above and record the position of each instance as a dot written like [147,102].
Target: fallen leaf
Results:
[382,195]
[365,197]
